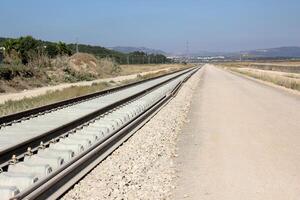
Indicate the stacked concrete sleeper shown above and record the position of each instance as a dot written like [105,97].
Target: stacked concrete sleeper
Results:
[34,167]
[26,129]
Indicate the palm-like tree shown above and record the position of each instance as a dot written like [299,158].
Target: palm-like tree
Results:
[10,45]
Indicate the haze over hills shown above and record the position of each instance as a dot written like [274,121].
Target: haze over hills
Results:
[284,52]
[128,49]
[275,52]
[96,50]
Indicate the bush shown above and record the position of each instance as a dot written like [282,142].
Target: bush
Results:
[51,50]
[39,59]
[116,69]
[63,49]
[74,76]
[9,72]
[25,48]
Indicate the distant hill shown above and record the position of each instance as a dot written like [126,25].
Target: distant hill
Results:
[122,57]
[289,52]
[84,48]
[203,54]
[133,49]
[280,52]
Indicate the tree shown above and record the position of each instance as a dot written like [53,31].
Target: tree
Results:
[10,53]
[138,53]
[52,50]
[26,46]
[10,45]
[26,49]
[63,49]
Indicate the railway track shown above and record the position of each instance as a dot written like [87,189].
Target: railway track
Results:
[43,152]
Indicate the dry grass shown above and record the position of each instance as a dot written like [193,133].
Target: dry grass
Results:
[278,73]
[83,58]
[262,63]
[289,67]
[10,107]
[134,69]
[78,67]
[282,73]
[277,79]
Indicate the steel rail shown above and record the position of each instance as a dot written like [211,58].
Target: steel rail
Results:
[61,180]
[20,149]
[8,119]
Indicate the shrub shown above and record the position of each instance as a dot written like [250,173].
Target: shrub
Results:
[116,69]
[51,50]
[26,46]
[9,72]
[73,76]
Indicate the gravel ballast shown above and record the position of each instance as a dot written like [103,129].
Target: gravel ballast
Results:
[143,167]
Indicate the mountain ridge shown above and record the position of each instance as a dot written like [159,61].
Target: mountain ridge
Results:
[130,49]
[284,52]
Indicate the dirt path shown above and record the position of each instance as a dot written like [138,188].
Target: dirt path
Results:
[44,90]
[242,142]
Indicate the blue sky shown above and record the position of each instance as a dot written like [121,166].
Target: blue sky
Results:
[210,25]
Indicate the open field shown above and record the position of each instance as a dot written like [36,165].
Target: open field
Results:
[279,63]
[271,72]
[285,74]
[283,66]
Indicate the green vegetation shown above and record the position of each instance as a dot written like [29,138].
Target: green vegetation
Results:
[9,72]
[27,63]
[24,47]
[27,48]
[55,49]
[136,57]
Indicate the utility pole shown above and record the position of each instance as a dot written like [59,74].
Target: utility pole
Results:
[127,59]
[187,50]
[77,50]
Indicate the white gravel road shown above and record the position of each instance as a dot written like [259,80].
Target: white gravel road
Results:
[242,141]
[143,167]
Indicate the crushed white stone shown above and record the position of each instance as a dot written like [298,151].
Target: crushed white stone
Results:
[143,167]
